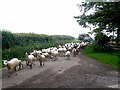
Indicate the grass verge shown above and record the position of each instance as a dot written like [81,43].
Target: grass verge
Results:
[112,57]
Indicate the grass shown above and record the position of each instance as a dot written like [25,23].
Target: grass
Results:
[112,57]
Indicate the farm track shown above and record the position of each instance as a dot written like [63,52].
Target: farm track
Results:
[78,72]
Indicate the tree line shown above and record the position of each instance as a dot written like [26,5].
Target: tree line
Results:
[22,39]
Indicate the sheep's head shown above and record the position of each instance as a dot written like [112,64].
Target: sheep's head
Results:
[5,62]
[26,54]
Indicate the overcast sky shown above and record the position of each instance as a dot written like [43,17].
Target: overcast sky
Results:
[41,16]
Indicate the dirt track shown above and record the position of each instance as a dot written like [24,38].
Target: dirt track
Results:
[78,72]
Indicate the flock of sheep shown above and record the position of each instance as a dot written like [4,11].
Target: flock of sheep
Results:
[42,55]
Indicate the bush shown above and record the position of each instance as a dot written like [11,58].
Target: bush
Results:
[95,47]
[8,39]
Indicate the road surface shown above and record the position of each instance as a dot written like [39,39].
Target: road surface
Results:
[78,72]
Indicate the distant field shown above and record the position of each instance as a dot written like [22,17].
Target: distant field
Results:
[112,58]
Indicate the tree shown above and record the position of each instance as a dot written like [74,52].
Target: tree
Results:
[102,39]
[105,17]
[84,37]
[81,37]
[8,39]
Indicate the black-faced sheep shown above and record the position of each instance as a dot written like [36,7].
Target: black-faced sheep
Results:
[74,51]
[67,54]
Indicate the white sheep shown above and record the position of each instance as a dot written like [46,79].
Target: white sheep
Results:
[41,59]
[55,55]
[30,59]
[74,51]
[60,50]
[67,54]
[47,55]
[14,64]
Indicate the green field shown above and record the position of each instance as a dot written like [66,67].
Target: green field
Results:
[112,57]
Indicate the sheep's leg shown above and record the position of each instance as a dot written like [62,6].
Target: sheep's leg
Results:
[14,68]
[17,68]
[64,54]
[43,62]
[10,72]
[16,73]
[74,54]
[57,57]
[40,63]
[54,58]
[20,66]
[34,62]
[68,57]
[27,63]
[30,66]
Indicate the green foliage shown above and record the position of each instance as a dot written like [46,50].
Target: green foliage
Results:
[81,37]
[102,39]
[84,37]
[7,39]
[22,39]
[105,16]
[94,47]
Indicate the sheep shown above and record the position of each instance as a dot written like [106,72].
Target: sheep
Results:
[35,53]
[41,59]
[47,55]
[67,54]
[64,50]
[55,55]
[29,60]
[14,64]
[74,51]
[60,50]
[4,62]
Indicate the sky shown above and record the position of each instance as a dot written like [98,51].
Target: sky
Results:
[41,16]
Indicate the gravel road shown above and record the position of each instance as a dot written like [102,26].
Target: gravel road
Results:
[78,72]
